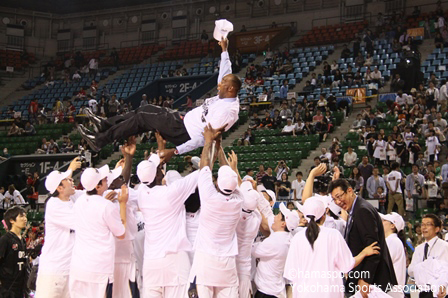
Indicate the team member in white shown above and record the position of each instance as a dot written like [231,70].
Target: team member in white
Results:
[393,224]
[216,245]
[54,262]
[124,265]
[98,222]
[432,250]
[272,253]
[246,231]
[14,196]
[166,264]
[318,249]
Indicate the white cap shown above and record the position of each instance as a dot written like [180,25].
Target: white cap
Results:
[394,218]
[291,218]
[335,208]
[313,207]
[250,200]
[246,186]
[247,177]
[299,206]
[172,176]
[195,161]
[325,199]
[114,174]
[54,179]
[91,177]
[222,29]
[271,194]
[147,169]
[227,179]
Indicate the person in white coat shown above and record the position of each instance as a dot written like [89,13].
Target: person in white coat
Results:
[272,254]
[54,262]
[166,265]
[246,231]
[393,225]
[319,249]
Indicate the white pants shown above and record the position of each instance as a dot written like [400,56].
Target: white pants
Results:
[165,292]
[217,292]
[123,274]
[82,289]
[52,286]
[245,286]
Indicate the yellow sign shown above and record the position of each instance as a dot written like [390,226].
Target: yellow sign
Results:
[358,95]
[416,32]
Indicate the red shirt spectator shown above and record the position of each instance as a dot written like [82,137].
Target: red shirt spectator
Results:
[34,107]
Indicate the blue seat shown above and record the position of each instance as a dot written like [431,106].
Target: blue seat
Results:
[292,82]
[290,76]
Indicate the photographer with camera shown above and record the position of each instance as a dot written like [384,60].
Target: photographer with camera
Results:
[281,168]
[415,189]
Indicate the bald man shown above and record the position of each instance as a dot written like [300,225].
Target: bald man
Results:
[221,112]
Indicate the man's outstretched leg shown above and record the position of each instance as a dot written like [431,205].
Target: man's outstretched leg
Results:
[167,122]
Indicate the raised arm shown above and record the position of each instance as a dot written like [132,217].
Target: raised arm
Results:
[128,151]
[308,189]
[225,67]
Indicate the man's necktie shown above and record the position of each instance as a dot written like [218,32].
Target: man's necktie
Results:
[347,227]
[426,251]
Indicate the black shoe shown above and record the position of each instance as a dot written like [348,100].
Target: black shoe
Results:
[96,121]
[89,137]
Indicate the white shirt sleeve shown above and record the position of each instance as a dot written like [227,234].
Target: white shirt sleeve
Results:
[18,199]
[292,264]
[113,220]
[205,184]
[225,67]
[345,260]
[184,187]
[265,249]
[62,217]
[227,119]
[190,145]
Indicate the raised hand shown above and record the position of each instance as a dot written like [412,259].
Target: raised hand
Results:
[123,197]
[233,161]
[130,147]
[75,164]
[319,170]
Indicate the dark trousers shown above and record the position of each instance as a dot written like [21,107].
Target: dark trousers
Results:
[168,122]
[259,294]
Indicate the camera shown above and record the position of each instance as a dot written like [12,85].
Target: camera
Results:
[83,160]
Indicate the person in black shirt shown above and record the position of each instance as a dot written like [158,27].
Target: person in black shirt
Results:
[356,47]
[13,259]
[400,146]
[415,148]
[268,180]
[277,120]
[345,52]
[284,188]
[254,122]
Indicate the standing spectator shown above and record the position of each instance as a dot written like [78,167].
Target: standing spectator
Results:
[33,109]
[380,150]
[350,158]
[13,257]
[432,145]
[443,96]
[284,188]
[365,168]
[29,129]
[113,106]
[261,173]
[144,100]
[432,187]
[281,168]
[297,186]
[284,90]
[356,176]
[373,183]
[115,57]
[189,104]
[204,36]
[356,47]
[93,67]
[432,96]
[268,180]
[393,181]
[415,187]
[427,255]
[397,83]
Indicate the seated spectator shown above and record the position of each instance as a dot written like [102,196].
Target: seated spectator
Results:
[318,117]
[322,128]
[322,103]
[401,98]
[289,128]
[246,139]
[338,79]
[254,121]
[266,121]
[14,131]
[358,123]
[259,81]
[313,80]
[43,147]
[29,129]
[369,60]
[325,156]
[376,76]
[308,129]
[81,94]
[276,120]
[359,61]
[285,112]
[308,87]
[5,154]
[397,83]
[53,147]
[346,53]
[357,79]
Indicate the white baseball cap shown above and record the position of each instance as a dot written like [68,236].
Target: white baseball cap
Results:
[325,199]
[250,200]
[335,208]
[172,176]
[147,169]
[195,161]
[291,218]
[313,207]
[227,179]
[299,206]
[114,174]
[271,194]
[247,177]
[54,179]
[91,177]
[222,29]
[246,186]
[394,218]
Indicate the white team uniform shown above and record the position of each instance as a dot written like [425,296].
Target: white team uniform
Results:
[98,222]
[216,245]
[166,264]
[54,262]
[192,230]
[398,256]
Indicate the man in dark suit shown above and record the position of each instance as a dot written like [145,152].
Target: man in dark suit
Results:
[364,227]
[372,121]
